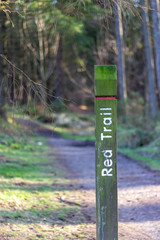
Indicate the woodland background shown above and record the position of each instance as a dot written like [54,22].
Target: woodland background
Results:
[48,49]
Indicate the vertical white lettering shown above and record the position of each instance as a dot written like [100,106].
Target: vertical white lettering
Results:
[103,136]
[107,153]
[106,172]
[108,163]
[107,121]
[105,109]
[105,114]
[107,169]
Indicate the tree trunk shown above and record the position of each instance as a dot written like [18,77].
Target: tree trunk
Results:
[149,59]
[121,61]
[25,87]
[11,80]
[58,75]
[156,33]
[2,35]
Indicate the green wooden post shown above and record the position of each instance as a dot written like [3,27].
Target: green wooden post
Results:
[106,152]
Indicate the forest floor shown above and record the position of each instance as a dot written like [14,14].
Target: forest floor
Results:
[49,193]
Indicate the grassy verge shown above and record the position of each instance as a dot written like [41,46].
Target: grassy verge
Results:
[135,142]
[136,154]
[138,137]
[140,145]
[69,134]
[73,125]
[32,186]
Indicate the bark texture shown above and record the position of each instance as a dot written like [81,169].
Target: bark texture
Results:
[58,74]
[120,48]
[149,60]
[156,33]
[2,34]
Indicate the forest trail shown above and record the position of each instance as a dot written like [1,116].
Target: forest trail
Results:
[138,190]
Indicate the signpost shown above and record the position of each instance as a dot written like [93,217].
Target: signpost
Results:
[106,152]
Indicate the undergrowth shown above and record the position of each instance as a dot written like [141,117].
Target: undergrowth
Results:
[139,133]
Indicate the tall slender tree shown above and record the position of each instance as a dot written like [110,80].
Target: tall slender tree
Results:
[149,59]
[156,33]
[58,73]
[120,50]
[2,35]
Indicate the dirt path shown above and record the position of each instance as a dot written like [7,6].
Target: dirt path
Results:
[138,190]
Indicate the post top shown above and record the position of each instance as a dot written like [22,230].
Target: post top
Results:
[105,80]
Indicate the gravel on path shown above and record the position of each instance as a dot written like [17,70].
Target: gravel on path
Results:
[138,189]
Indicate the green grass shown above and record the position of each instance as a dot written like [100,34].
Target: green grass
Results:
[129,141]
[137,154]
[31,183]
[139,144]
[73,125]
[74,136]
[136,142]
